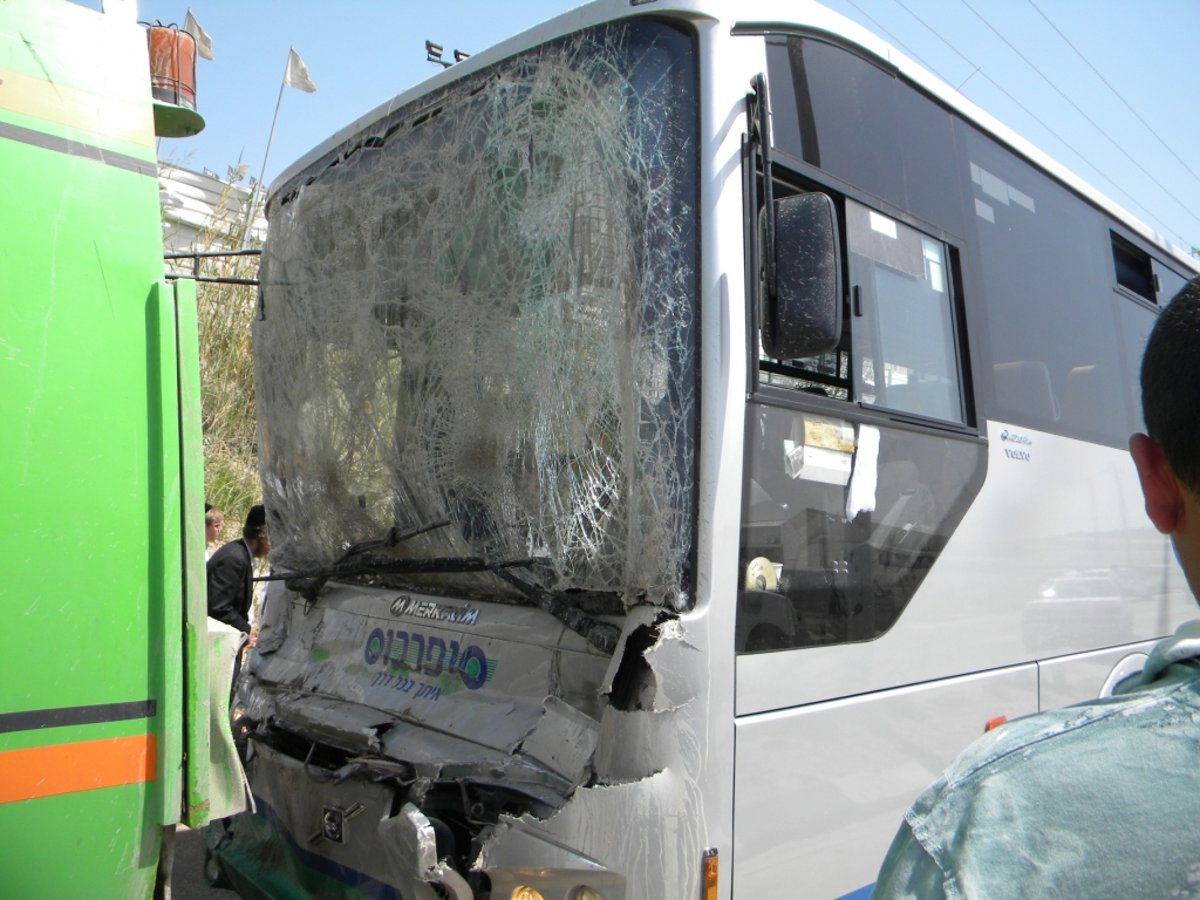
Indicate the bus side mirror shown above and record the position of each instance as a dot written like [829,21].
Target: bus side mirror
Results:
[802,310]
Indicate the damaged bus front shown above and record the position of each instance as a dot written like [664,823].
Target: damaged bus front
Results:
[477,380]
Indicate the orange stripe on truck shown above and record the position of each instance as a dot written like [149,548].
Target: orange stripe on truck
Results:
[81,766]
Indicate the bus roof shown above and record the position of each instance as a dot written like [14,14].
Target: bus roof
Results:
[750,16]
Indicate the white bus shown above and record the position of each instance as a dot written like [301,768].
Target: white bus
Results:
[684,427]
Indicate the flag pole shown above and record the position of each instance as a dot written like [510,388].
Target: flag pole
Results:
[263,171]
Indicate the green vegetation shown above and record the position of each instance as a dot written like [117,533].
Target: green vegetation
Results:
[227,390]
[225,312]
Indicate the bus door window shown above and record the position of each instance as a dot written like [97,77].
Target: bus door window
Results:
[844,512]
[905,354]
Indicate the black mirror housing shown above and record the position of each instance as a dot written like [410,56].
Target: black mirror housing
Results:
[802,309]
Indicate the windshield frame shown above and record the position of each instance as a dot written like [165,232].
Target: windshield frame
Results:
[681,372]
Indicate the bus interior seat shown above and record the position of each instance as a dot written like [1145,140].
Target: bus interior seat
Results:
[764,622]
[1025,385]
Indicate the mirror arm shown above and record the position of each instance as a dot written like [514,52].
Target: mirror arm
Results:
[760,125]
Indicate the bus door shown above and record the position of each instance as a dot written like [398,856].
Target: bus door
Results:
[860,462]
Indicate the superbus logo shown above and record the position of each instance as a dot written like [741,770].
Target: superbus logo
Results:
[428,655]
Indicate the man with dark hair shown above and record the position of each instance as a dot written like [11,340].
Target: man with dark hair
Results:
[231,571]
[1091,800]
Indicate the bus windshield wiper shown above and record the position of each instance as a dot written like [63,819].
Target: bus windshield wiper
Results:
[391,538]
[601,635]
[431,565]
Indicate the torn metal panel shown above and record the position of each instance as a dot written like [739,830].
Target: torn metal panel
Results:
[645,768]
[563,740]
[517,847]
[410,843]
[620,860]
[672,660]
[322,836]
[642,741]
[227,788]
[327,719]
[550,796]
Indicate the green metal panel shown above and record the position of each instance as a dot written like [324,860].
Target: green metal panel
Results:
[75,276]
[166,557]
[71,72]
[102,490]
[195,612]
[79,845]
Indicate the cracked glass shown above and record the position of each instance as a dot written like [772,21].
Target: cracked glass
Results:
[478,332]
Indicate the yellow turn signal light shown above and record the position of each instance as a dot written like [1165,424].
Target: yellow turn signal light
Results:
[710,874]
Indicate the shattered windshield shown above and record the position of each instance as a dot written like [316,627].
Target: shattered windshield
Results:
[478,334]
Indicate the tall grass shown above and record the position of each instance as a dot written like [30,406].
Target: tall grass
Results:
[225,311]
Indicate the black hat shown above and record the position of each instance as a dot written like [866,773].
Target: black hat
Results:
[257,517]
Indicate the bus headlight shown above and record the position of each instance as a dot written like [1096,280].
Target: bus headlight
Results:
[579,892]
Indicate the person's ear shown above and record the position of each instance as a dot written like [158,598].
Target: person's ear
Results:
[1164,498]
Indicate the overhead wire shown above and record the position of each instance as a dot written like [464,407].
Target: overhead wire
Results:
[1087,62]
[978,70]
[891,37]
[1167,191]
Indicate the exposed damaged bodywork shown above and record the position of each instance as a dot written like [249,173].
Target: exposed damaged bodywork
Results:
[476,372]
[354,743]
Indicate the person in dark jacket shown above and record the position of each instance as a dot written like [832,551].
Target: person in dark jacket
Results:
[231,570]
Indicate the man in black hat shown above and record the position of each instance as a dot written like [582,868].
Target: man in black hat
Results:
[231,570]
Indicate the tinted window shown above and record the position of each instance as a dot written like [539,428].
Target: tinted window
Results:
[899,349]
[1133,268]
[1035,250]
[828,99]
[841,521]
[843,514]
[1058,362]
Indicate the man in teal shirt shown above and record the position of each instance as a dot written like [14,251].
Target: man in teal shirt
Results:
[1094,800]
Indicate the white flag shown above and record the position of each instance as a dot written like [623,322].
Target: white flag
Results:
[296,74]
[203,41]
